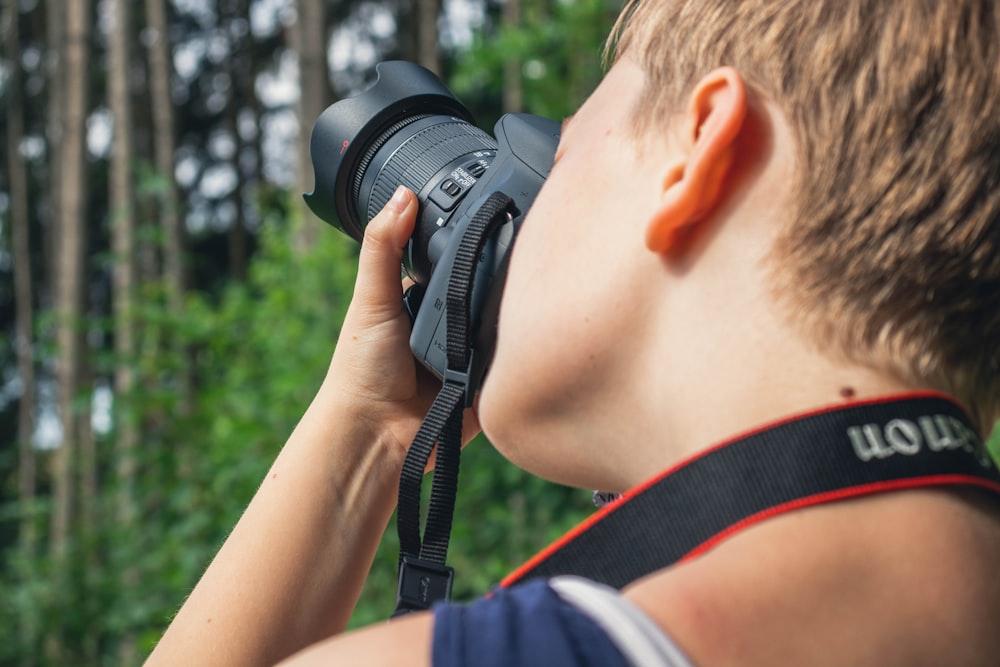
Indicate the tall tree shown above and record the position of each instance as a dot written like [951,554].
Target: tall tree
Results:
[417,32]
[23,292]
[171,220]
[55,54]
[309,38]
[70,275]
[428,55]
[164,140]
[23,299]
[240,67]
[124,281]
[513,98]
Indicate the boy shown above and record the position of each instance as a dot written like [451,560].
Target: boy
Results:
[768,207]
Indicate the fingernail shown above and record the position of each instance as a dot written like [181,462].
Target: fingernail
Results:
[400,200]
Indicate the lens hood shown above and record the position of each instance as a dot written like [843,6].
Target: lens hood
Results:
[346,130]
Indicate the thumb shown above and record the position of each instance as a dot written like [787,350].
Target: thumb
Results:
[378,282]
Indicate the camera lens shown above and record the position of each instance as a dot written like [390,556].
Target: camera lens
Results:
[412,153]
[435,156]
[407,129]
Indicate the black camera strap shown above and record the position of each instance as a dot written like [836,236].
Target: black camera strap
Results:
[916,441]
[423,576]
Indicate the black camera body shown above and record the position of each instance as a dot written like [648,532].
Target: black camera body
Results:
[408,129]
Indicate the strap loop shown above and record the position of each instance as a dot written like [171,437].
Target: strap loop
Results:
[423,576]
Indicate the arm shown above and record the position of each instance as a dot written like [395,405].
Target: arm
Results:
[292,569]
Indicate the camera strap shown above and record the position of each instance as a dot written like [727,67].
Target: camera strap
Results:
[909,442]
[424,578]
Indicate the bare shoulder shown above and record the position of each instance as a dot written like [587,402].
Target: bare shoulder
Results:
[403,641]
[850,583]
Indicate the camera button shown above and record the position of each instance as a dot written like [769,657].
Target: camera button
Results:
[447,195]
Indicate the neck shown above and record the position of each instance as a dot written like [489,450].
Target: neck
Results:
[736,364]
[724,402]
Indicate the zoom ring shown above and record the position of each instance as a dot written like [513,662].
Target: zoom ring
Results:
[409,165]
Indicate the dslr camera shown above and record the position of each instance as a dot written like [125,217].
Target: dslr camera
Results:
[409,129]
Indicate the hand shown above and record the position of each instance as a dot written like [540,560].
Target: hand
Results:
[373,369]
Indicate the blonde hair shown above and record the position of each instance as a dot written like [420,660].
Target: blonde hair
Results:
[893,259]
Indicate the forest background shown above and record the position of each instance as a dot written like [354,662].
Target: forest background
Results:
[169,307]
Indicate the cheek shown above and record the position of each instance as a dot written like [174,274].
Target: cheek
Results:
[561,318]
[566,260]
[552,352]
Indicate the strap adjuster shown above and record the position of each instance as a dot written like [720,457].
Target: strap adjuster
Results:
[462,377]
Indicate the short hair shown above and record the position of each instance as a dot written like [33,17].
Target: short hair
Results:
[891,255]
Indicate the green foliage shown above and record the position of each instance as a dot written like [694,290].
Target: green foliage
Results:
[221,385]
[256,353]
[253,357]
[559,46]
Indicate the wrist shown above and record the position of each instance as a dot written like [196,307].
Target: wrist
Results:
[359,429]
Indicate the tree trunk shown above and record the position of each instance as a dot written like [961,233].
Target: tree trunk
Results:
[310,43]
[55,55]
[171,220]
[124,283]
[86,534]
[163,149]
[70,273]
[427,34]
[513,99]
[240,68]
[23,292]
[70,277]
[124,287]
[24,305]
[406,30]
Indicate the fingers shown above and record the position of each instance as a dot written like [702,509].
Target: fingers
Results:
[386,235]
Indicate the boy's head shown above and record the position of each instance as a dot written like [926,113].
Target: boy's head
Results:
[892,257]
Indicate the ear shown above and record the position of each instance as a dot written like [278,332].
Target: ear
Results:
[695,184]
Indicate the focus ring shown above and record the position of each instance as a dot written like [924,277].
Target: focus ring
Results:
[409,166]
[374,148]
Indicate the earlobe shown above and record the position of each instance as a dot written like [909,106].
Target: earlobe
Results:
[678,205]
[694,186]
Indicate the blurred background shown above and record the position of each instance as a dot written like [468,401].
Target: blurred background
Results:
[169,307]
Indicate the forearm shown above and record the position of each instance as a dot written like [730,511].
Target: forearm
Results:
[292,569]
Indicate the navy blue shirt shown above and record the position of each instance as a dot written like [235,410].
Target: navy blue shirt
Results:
[527,625]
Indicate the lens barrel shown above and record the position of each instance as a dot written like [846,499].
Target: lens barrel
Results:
[413,155]
[404,130]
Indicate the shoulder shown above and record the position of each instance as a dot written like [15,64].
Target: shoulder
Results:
[564,622]
[567,621]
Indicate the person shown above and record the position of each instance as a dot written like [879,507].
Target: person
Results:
[767,207]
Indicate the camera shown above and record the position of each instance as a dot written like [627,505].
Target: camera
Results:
[409,129]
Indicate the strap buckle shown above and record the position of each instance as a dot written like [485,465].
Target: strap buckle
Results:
[421,584]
